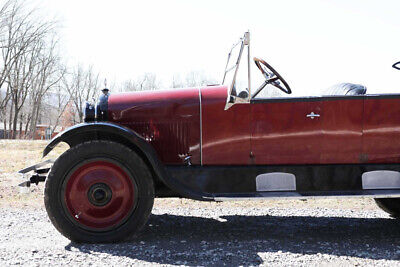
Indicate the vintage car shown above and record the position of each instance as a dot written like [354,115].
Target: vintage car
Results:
[217,143]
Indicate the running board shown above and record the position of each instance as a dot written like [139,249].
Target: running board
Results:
[309,195]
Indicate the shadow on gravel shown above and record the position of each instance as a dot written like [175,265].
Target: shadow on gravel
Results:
[238,240]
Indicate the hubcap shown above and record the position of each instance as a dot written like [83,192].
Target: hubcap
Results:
[99,195]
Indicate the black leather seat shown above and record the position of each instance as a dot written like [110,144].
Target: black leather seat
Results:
[346,89]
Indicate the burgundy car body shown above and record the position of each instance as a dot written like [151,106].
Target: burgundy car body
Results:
[169,120]
[350,129]
[227,141]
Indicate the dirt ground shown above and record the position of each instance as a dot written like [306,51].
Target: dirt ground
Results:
[316,232]
[17,154]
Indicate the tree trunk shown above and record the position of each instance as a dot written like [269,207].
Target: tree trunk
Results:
[10,123]
[15,121]
[5,127]
[26,127]
[20,127]
[35,118]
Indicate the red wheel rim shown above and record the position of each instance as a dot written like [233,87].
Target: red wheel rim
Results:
[99,195]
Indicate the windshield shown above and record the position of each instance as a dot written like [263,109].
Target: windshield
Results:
[236,75]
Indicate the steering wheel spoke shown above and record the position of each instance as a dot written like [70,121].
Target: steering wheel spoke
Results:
[277,85]
[260,89]
[272,80]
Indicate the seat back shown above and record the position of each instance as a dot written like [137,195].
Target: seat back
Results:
[346,89]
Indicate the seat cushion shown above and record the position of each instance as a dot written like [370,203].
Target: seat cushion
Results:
[346,89]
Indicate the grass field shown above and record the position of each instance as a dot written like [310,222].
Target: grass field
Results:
[14,156]
[17,154]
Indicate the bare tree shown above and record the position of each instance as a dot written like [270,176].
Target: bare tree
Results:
[32,78]
[50,72]
[7,12]
[177,81]
[82,85]
[129,85]
[60,106]
[23,38]
[198,78]
[147,81]
[20,80]
[4,101]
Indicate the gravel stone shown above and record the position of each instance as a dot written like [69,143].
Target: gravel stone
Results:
[222,235]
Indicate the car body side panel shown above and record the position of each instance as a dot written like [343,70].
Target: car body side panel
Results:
[342,124]
[381,134]
[225,133]
[168,119]
[351,129]
[282,133]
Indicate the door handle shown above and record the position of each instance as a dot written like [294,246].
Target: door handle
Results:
[312,115]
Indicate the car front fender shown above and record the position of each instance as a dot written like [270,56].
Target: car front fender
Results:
[110,131]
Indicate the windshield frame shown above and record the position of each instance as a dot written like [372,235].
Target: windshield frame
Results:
[233,99]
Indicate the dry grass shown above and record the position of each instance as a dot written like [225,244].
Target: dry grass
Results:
[14,156]
[17,154]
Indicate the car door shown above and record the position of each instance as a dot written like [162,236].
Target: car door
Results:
[286,131]
[381,132]
[342,126]
[225,138]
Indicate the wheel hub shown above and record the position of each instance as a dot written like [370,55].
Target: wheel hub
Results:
[99,194]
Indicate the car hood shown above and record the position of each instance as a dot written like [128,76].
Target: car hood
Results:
[168,119]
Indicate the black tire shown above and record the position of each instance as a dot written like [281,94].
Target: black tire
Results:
[138,175]
[389,205]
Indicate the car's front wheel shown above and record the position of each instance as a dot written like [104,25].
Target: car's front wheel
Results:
[99,191]
[389,205]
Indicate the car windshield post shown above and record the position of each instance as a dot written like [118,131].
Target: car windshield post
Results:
[234,68]
[247,42]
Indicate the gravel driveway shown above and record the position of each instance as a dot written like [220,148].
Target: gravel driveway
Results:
[214,234]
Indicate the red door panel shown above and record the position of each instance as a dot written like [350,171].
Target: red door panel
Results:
[342,130]
[283,134]
[225,133]
[381,134]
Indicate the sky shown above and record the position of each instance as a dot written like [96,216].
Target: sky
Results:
[313,44]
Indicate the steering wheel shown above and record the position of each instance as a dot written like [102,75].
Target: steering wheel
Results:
[396,65]
[271,77]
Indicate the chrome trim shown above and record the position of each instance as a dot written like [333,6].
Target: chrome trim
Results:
[276,181]
[312,115]
[244,41]
[201,129]
[381,179]
[295,195]
[248,61]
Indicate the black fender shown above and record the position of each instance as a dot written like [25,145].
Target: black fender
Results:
[110,131]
